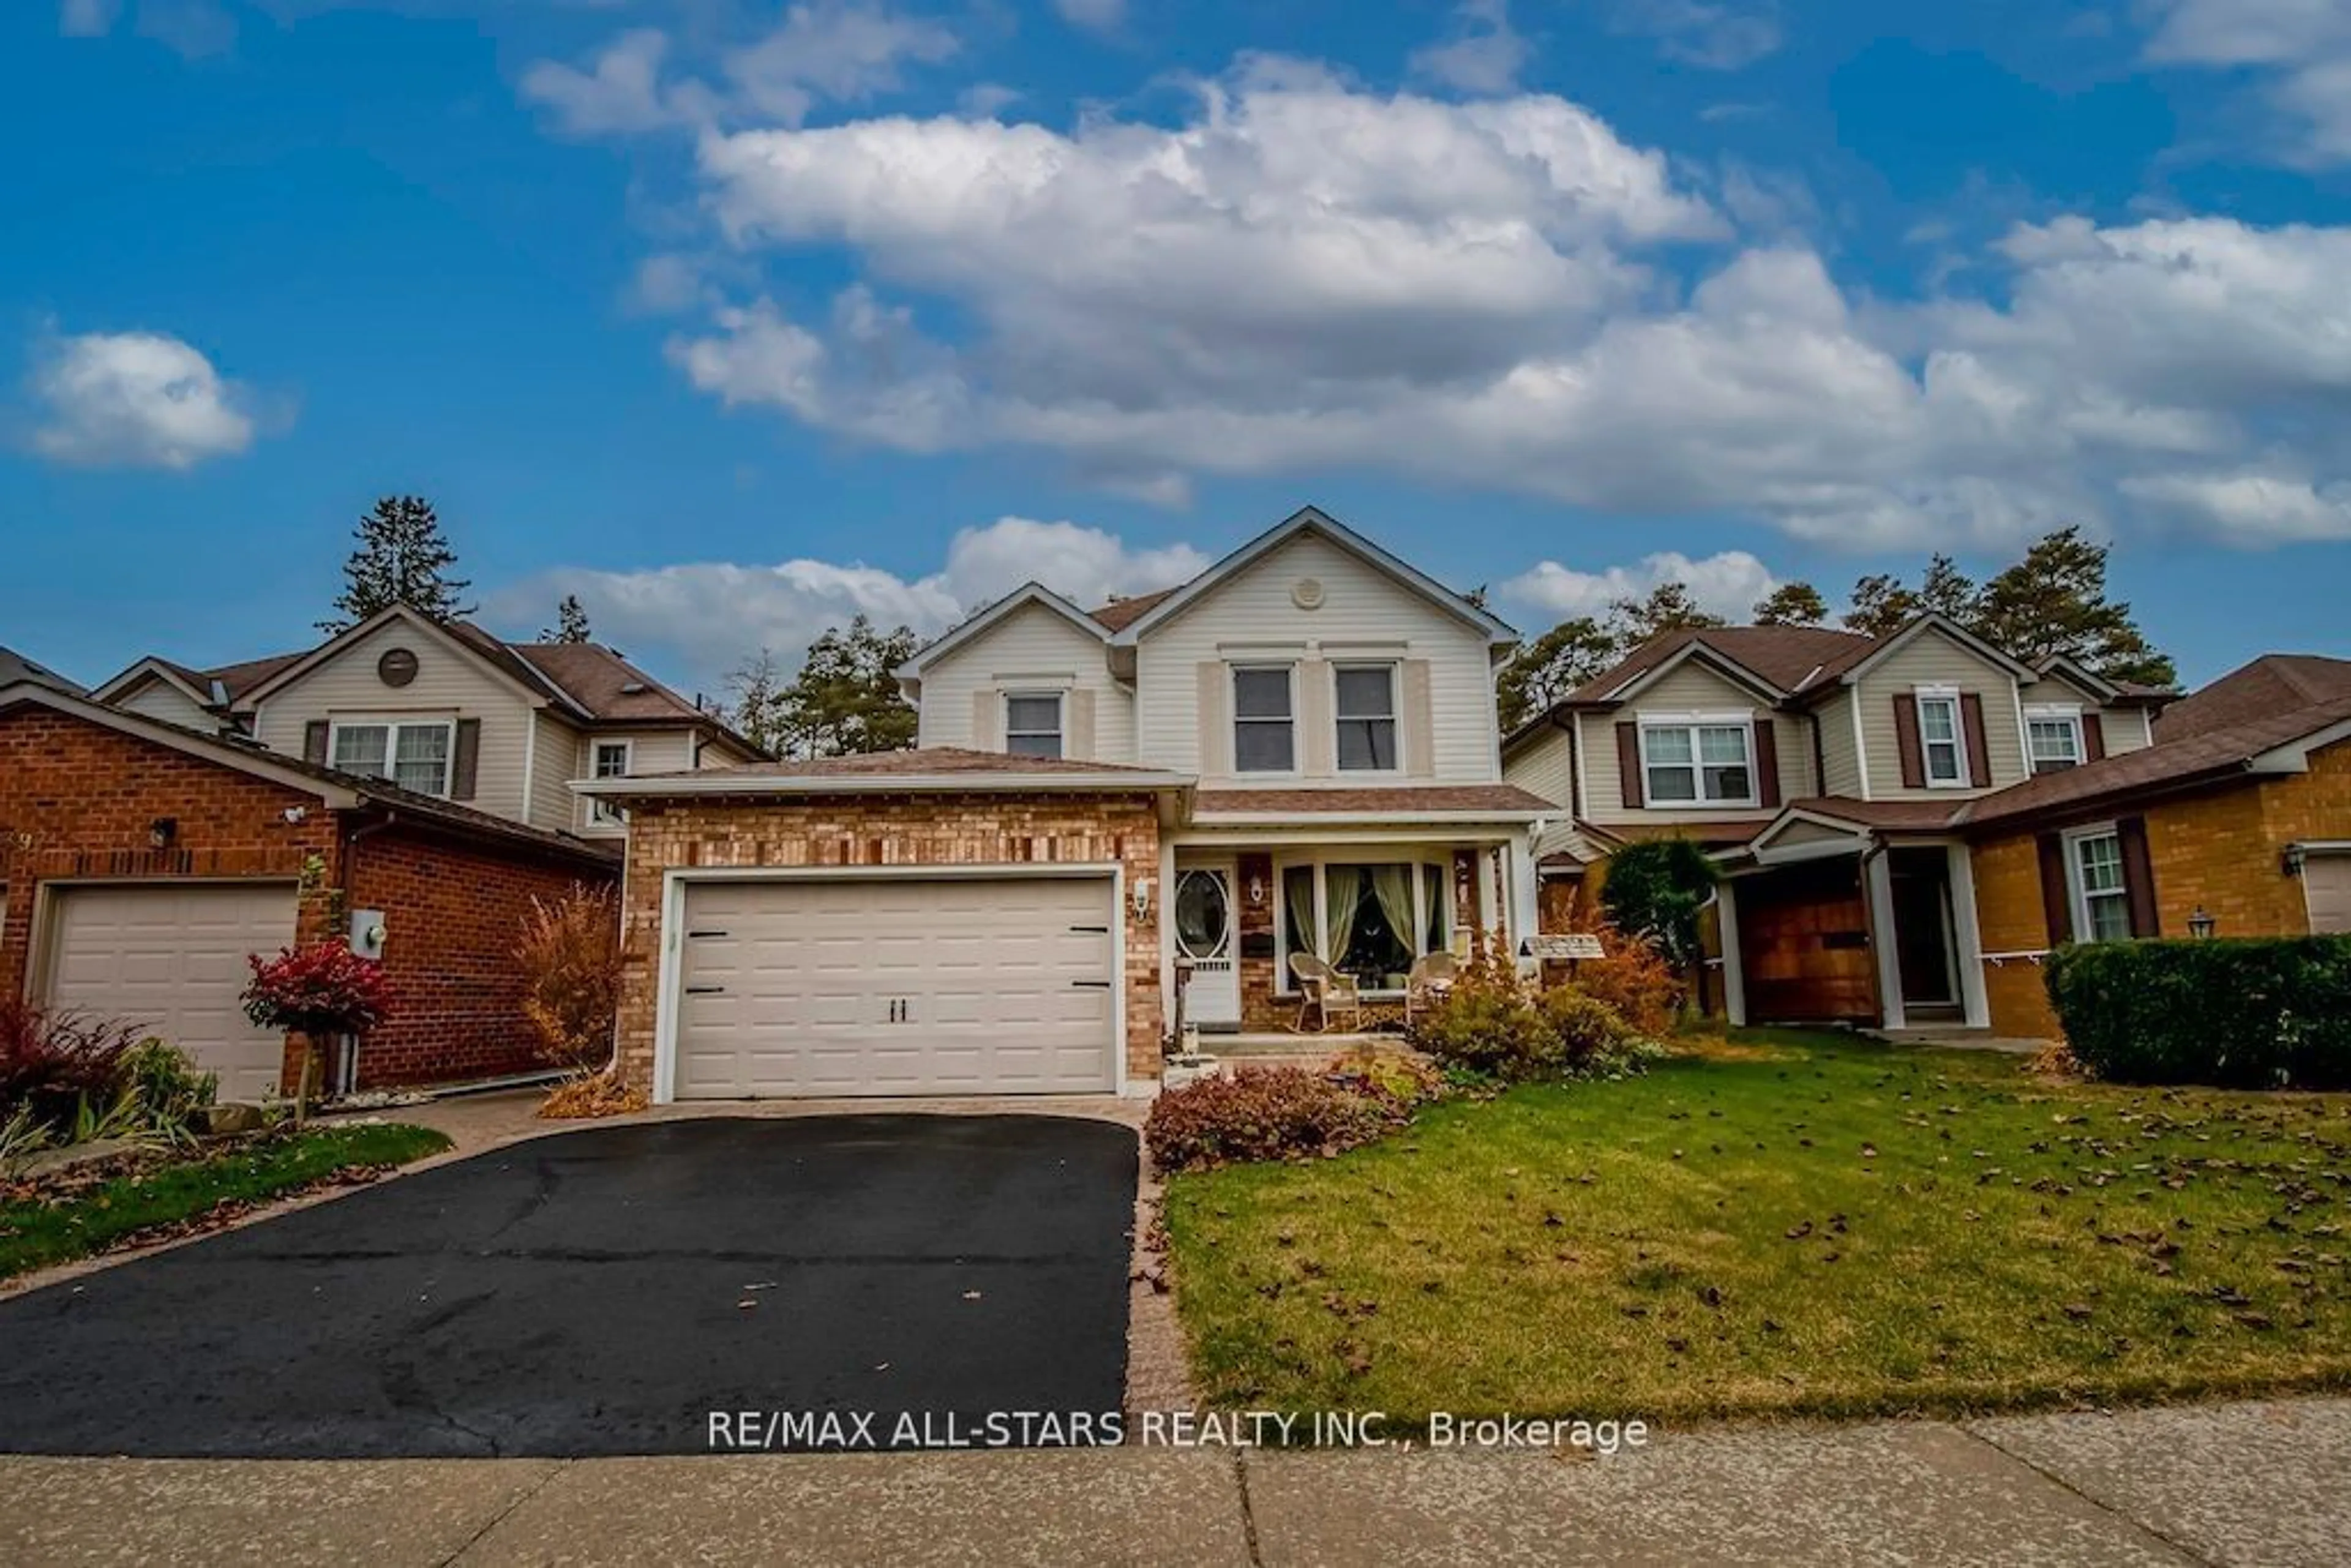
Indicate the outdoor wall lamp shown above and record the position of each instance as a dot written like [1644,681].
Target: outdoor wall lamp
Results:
[1256,892]
[162,831]
[2201,923]
[1139,898]
[2294,857]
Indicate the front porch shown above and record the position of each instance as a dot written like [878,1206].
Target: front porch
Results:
[1370,905]
[1863,928]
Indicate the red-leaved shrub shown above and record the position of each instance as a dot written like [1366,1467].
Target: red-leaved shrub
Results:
[1261,1114]
[323,990]
[55,1061]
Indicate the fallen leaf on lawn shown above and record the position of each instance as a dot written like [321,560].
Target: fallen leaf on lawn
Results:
[1798,1232]
[2077,1310]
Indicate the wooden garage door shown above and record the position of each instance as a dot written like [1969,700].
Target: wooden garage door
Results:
[171,960]
[1804,946]
[2326,884]
[897,986]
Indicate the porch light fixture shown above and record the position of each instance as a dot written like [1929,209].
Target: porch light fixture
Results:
[1139,898]
[2293,858]
[2201,923]
[1256,892]
[162,831]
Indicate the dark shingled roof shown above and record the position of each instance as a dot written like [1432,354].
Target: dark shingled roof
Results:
[2273,684]
[1120,614]
[935,761]
[1897,816]
[601,682]
[1446,798]
[1781,656]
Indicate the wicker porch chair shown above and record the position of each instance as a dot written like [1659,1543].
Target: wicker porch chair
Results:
[1326,992]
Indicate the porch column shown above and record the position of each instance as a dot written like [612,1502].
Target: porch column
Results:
[1967,938]
[1734,971]
[1526,915]
[1166,902]
[1877,884]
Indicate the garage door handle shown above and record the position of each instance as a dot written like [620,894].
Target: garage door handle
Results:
[706,990]
[1100,930]
[1092,985]
[706,933]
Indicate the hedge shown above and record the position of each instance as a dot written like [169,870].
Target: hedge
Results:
[2245,1012]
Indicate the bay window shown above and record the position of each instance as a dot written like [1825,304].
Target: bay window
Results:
[411,754]
[1697,762]
[1369,921]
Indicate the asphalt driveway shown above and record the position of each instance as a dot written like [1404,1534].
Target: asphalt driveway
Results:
[605,1292]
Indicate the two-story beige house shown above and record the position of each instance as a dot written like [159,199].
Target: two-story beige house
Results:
[1829,773]
[1295,753]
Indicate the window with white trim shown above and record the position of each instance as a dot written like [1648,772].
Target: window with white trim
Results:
[1697,762]
[1264,729]
[2101,886]
[414,754]
[2054,737]
[612,759]
[1364,702]
[1941,745]
[1033,724]
[1369,921]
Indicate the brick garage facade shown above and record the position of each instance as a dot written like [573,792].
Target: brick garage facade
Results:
[2220,849]
[80,801]
[852,831]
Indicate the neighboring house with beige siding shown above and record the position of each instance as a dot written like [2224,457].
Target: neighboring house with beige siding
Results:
[447,710]
[1828,772]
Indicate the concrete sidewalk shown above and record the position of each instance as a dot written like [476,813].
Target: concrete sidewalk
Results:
[2260,1482]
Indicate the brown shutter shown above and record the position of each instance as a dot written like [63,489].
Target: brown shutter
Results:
[1767,762]
[313,742]
[1906,742]
[2093,737]
[1628,764]
[466,760]
[1979,751]
[2138,876]
[2056,897]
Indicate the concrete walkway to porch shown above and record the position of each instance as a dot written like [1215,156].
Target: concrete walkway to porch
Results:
[2255,1482]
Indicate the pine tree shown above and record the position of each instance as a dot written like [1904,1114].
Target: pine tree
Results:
[1543,672]
[2054,601]
[402,558]
[1669,607]
[570,622]
[756,714]
[1881,604]
[1791,604]
[846,701]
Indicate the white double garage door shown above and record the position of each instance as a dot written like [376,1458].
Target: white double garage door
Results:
[169,959]
[895,985]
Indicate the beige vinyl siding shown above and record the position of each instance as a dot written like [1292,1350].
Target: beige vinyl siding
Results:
[1545,764]
[1799,833]
[1840,763]
[160,699]
[1033,648]
[559,757]
[449,684]
[1932,659]
[649,751]
[1366,616]
[1693,688]
[2124,728]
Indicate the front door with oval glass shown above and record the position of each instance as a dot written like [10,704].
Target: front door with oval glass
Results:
[1204,934]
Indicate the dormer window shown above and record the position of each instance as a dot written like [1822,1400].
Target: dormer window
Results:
[1941,745]
[2055,736]
[1033,724]
[1697,761]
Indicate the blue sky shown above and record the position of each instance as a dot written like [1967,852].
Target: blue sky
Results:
[737,317]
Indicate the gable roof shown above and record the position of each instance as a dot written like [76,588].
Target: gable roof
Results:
[464,635]
[335,790]
[1312,519]
[1028,593]
[2273,684]
[1854,663]
[1120,614]
[14,668]
[605,684]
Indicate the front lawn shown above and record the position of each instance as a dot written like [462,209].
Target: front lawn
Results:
[75,1214]
[1790,1224]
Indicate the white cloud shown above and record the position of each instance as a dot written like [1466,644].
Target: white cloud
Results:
[1727,37]
[135,400]
[1487,56]
[2303,47]
[823,51]
[1727,584]
[2256,505]
[707,616]
[1095,15]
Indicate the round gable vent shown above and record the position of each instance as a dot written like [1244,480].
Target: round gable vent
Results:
[397,667]
[1307,593]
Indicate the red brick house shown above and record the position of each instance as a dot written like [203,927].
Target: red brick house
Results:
[141,862]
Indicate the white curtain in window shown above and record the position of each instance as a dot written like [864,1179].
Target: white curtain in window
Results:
[1345,894]
[1391,886]
[1298,888]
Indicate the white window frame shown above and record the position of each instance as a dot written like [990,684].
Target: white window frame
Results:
[392,728]
[604,813]
[2077,891]
[1422,860]
[1059,698]
[1691,724]
[1393,719]
[2054,713]
[1234,672]
[1963,778]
